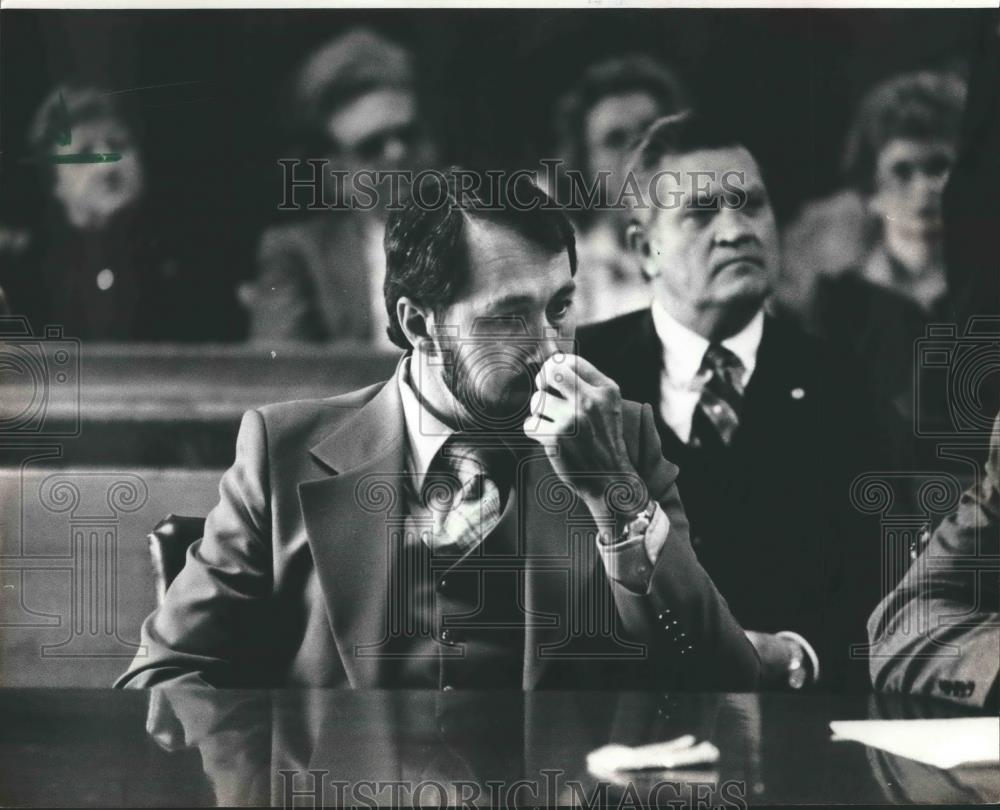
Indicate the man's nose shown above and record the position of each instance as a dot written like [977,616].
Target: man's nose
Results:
[557,343]
[735,229]
[928,186]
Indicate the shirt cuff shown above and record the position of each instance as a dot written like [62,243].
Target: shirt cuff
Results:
[806,648]
[631,561]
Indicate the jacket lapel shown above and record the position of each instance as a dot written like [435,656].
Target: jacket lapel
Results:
[640,361]
[774,393]
[349,517]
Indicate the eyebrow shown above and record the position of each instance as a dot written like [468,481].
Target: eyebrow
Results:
[521,299]
[704,199]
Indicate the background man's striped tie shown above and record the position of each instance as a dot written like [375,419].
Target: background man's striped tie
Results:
[718,413]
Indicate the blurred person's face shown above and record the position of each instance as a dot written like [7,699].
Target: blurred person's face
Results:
[612,126]
[379,131]
[375,130]
[910,176]
[513,312]
[711,264]
[91,194]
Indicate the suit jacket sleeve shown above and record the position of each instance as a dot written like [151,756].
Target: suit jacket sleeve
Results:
[938,632]
[690,633]
[231,730]
[212,628]
[281,299]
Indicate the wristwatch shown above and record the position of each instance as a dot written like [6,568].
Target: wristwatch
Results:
[636,527]
[797,674]
[803,664]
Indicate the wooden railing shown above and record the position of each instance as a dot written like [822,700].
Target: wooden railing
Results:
[163,405]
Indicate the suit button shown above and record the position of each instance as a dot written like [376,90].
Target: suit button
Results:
[442,584]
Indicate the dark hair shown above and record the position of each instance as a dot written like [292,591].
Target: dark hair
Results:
[426,256]
[921,106]
[612,77]
[678,134]
[343,69]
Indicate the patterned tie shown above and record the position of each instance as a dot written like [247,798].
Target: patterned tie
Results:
[464,495]
[718,413]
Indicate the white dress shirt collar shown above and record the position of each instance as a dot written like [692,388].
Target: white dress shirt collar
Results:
[684,349]
[683,352]
[425,433]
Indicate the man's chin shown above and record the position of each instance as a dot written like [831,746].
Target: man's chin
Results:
[746,290]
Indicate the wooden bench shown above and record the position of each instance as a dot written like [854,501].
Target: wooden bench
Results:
[161,405]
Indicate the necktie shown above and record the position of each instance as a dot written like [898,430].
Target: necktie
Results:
[718,413]
[464,495]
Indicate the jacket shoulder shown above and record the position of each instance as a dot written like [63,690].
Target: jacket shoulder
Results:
[603,338]
[828,359]
[619,325]
[304,420]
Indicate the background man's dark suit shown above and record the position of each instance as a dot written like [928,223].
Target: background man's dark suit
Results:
[771,518]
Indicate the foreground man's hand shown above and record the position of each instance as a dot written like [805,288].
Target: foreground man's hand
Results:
[786,663]
[576,414]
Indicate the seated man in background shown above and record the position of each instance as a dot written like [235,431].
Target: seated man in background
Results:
[768,426]
[450,527]
[598,123]
[320,278]
[938,632]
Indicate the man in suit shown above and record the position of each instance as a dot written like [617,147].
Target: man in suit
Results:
[938,633]
[495,515]
[768,427]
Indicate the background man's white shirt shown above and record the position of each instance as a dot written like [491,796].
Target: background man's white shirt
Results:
[683,352]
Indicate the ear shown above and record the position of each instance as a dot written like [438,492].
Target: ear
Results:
[414,319]
[638,242]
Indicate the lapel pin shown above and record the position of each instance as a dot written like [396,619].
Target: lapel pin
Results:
[798,393]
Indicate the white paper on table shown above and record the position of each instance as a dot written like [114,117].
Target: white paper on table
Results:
[943,743]
[613,761]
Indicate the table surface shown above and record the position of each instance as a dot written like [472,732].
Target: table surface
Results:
[202,748]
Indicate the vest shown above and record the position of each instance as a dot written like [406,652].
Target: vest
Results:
[455,622]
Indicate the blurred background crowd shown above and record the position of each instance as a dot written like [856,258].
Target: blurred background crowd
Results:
[178,236]
[141,211]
